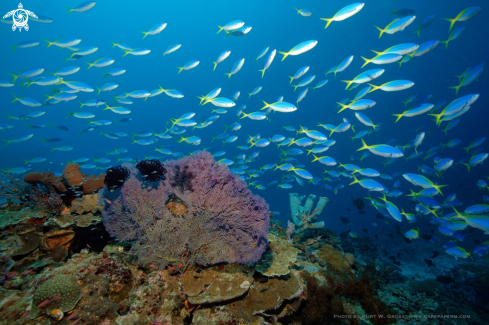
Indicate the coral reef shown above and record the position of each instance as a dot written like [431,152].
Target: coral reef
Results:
[86,204]
[15,189]
[209,286]
[60,292]
[76,179]
[176,206]
[45,199]
[182,178]
[30,241]
[321,305]
[225,222]
[278,258]
[47,179]
[268,299]
[115,177]
[84,220]
[21,221]
[328,254]
[56,238]
[302,216]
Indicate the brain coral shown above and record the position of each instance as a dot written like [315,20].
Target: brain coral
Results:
[62,285]
[225,222]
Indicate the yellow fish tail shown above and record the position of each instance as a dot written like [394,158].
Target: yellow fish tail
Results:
[398,116]
[262,72]
[328,21]
[374,88]
[285,54]
[452,22]
[456,89]
[343,107]
[367,61]
[215,65]
[381,31]
[348,83]
[365,146]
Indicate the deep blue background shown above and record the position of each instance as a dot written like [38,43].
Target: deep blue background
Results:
[276,25]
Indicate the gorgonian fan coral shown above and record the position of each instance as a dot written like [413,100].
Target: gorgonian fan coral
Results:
[115,177]
[151,170]
[224,221]
[182,178]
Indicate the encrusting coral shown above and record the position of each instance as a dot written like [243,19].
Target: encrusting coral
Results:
[61,292]
[225,222]
[86,204]
[279,257]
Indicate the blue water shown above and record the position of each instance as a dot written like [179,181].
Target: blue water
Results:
[276,25]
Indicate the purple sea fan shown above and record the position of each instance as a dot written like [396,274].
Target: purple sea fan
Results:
[225,222]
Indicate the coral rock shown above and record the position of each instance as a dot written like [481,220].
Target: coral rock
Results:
[85,220]
[56,238]
[278,258]
[62,285]
[20,221]
[46,179]
[86,204]
[178,209]
[30,242]
[327,253]
[76,178]
[93,183]
[351,258]
[267,296]
[73,175]
[216,286]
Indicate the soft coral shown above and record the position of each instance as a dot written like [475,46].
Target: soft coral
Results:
[182,179]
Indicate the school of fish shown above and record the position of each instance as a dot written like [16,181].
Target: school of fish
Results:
[300,145]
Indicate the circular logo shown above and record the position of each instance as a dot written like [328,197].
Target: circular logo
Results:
[20,18]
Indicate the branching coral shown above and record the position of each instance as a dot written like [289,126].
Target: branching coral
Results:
[225,222]
[15,189]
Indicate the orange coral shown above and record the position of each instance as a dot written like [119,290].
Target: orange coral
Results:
[178,209]
[76,178]
[73,175]
[56,238]
[46,179]
[351,258]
